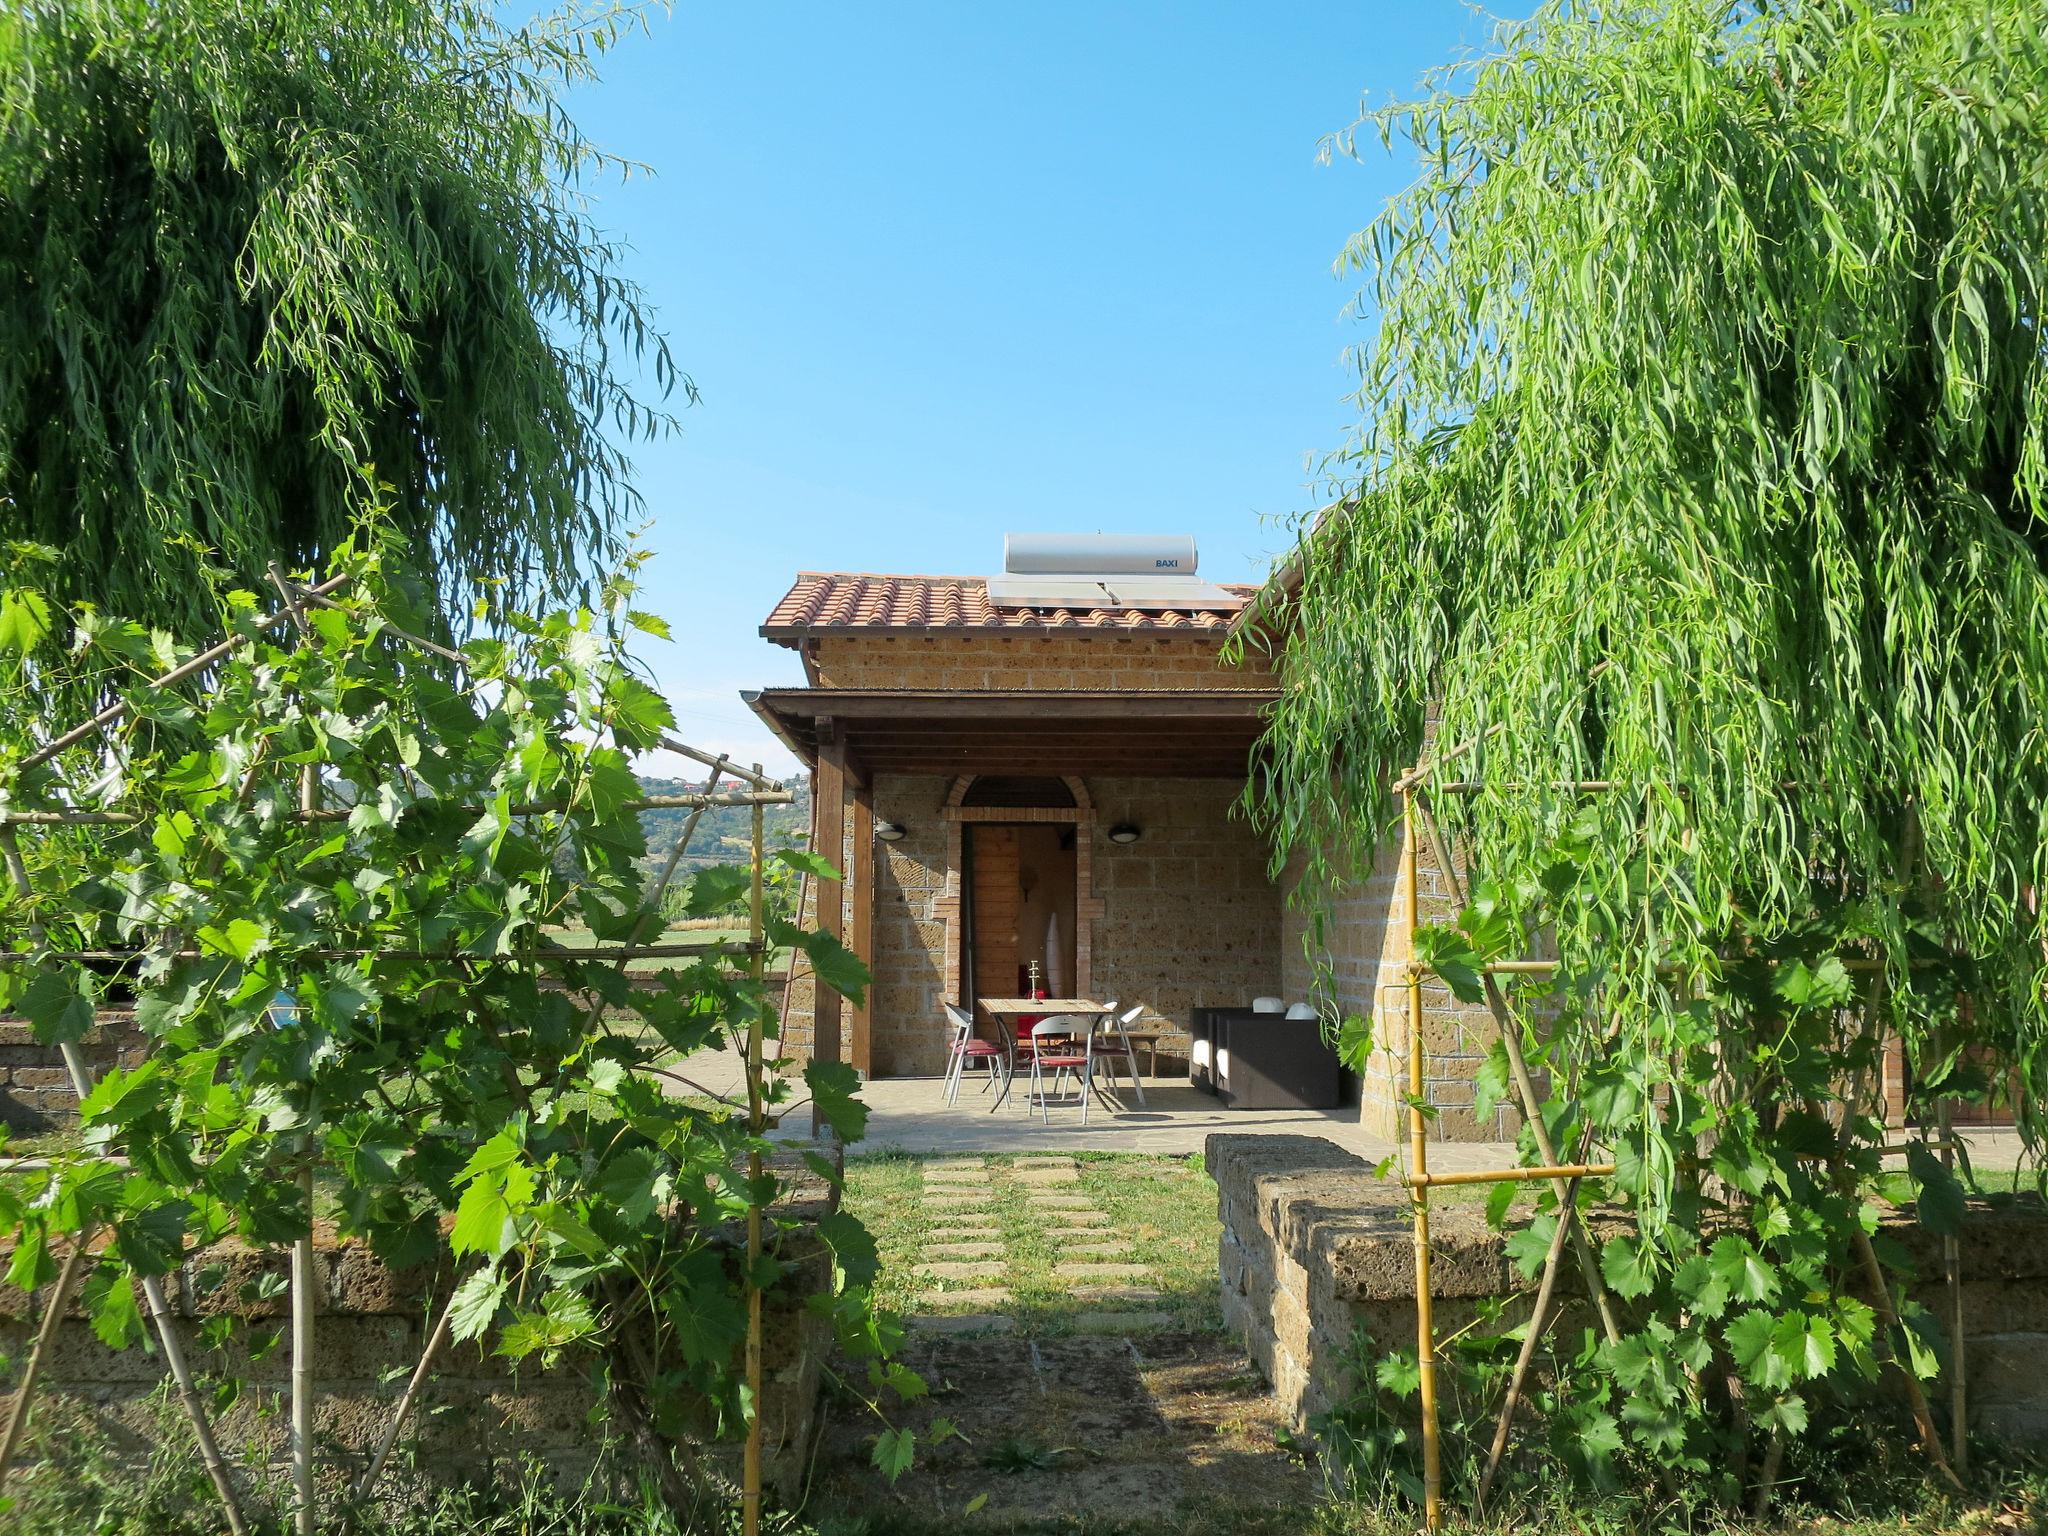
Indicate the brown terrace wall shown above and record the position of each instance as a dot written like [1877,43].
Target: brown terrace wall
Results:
[1314,1246]
[478,1415]
[36,1095]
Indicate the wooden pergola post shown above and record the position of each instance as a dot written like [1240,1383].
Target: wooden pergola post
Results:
[828,841]
[860,901]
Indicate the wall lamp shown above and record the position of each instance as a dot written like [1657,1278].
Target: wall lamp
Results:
[890,831]
[1124,832]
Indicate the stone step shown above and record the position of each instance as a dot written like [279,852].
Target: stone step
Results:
[959,1270]
[983,1298]
[1097,1271]
[1122,1322]
[962,1322]
[1094,1250]
[956,1202]
[963,1250]
[1126,1295]
[1046,1176]
[942,1165]
[1059,1202]
[1076,1218]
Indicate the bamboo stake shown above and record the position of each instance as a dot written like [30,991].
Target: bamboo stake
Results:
[420,1372]
[1417,775]
[1539,1323]
[1881,1301]
[305,1512]
[1952,1263]
[120,708]
[1525,1087]
[1418,1163]
[750,1484]
[46,1339]
[1513,1175]
[721,764]
[74,818]
[517,956]
[1915,1398]
[415,641]
[80,1072]
[173,1348]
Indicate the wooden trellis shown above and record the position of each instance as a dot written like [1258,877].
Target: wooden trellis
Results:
[1418,819]
[759,792]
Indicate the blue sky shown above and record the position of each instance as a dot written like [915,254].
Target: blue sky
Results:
[945,271]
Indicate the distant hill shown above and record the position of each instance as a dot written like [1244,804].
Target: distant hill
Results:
[722,835]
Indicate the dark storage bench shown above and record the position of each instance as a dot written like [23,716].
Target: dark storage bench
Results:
[1263,1060]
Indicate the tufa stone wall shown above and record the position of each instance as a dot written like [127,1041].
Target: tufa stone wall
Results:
[1314,1246]
[983,659]
[476,1417]
[1190,918]
[1361,958]
[907,1024]
[36,1095]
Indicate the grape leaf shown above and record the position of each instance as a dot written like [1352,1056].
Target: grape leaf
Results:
[59,1005]
[833,1085]
[475,1303]
[806,862]
[894,1451]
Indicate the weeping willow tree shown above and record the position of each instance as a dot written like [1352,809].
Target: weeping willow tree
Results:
[258,256]
[1703,451]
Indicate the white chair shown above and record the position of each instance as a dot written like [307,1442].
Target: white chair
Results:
[1052,1046]
[966,1048]
[1119,1041]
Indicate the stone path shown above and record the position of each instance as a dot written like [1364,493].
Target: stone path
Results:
[962,1275]
[1129,1423]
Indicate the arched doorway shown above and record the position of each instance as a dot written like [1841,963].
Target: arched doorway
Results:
[1020,885]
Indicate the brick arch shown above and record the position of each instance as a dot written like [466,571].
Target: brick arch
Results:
[1087,905]
[956,797]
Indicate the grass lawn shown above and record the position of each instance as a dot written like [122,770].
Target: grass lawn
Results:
[1164,1206]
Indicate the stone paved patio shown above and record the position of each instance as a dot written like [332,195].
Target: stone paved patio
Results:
[910,1114]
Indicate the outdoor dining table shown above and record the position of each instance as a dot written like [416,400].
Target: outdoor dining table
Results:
[1007,1010]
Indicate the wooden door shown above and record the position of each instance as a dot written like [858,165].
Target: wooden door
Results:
[994,861]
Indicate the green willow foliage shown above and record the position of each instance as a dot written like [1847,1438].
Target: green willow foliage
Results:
[1704,449]
[1703,452]
[256,255]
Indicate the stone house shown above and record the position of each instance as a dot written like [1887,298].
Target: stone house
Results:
[1045,768]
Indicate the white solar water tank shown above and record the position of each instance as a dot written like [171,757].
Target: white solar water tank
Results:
[1103,570]
[1099,554]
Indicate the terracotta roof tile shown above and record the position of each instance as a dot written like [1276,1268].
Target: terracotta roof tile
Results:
[829,601]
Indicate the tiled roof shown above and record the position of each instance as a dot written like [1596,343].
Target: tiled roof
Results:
[827,602]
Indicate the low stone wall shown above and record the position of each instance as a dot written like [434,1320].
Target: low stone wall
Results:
[36,1095]
[479,1414]
[1314,1245]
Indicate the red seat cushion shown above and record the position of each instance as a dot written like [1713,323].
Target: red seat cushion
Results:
[1063,1061]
